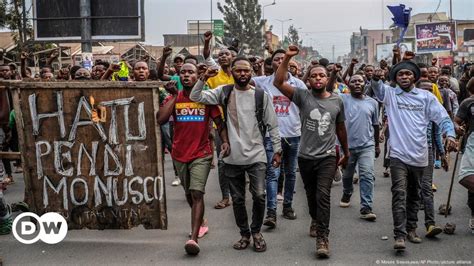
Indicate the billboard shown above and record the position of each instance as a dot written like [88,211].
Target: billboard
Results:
[111,20]
[435,37]
[384,50]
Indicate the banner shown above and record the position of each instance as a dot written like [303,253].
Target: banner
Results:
[435,37]
[92,152]
[385,50]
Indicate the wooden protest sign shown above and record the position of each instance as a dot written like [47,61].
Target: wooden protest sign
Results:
[91,151]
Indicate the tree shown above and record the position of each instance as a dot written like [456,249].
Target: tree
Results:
[293,37]
[242,20]
[11,17]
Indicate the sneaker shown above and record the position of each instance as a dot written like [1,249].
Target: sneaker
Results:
[338,175]
[345,200]
[433,230]
[192,248]
[313,229]
[270,220]
[367,215]
[437,164]
[322,247]
[280,197]
[289,213]
[434,188]
[413,237]
[176,182]
[399,244]
[471,224]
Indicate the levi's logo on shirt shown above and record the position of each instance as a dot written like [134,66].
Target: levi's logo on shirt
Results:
[190,112]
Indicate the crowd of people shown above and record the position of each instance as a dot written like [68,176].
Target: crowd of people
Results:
[262,120]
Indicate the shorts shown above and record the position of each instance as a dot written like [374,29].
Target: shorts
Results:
[194,174]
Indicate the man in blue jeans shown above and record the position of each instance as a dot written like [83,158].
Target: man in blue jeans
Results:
[362,125]
[289,126]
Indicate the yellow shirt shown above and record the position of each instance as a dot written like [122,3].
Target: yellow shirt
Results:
[437,93]
[220,79]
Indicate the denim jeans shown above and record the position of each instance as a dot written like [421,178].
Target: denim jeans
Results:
[271,178]
[223,180]
[317,176]
[405,196]
[427,191]
[290,148]
[364,157]
[236,177]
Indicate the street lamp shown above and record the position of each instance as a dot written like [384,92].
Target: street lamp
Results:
[282,22]
[263,9]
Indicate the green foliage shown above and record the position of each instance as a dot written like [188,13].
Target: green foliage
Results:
[242,20]
[11,18]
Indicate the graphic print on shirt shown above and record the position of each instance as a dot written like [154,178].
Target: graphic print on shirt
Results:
[190,112]
[282,106]
[323,121]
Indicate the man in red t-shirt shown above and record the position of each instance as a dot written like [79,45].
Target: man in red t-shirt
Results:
[191,152]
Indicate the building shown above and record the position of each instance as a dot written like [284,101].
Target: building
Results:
[364,44]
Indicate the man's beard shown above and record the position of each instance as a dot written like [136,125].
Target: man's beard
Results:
[241,83]
[321,90]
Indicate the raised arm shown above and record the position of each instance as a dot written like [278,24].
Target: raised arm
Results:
[350,70]
[282,72]
[161,67]
[23,57]
[210,97]
[167,109]
[377,86]
[206,52]
[333,77]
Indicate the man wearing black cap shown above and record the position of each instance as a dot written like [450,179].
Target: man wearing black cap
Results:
[409,111]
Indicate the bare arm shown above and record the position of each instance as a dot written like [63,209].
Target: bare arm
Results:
[166,111]
[350,70]
[161,67]
[206,52]
[23,57]
[342,137]
[282,72]
[332,78]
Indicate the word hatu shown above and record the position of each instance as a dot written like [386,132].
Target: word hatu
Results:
[103,186]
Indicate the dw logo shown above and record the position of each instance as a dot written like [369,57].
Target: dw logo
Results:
[51,228]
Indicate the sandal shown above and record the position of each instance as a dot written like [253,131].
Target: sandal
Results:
[224,203]
[243,243]
[259,244]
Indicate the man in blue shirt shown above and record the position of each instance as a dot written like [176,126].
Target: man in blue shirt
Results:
[409,111]
[362,126]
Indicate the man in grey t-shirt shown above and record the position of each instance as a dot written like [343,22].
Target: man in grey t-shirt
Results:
[362,127]
[322,118]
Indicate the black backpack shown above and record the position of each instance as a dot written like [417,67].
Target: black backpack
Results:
[259,111]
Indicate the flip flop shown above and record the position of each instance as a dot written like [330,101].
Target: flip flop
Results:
[259,244]
[243,243]
[222,204]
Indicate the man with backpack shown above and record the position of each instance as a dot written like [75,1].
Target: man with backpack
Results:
[249,114]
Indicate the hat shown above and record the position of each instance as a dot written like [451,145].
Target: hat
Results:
[405,65]
[181,56]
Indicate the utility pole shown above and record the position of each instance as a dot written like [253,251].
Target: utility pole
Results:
[333,50]
[23,6]
[86,29]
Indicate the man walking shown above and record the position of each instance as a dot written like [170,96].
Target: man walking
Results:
[247,121]
[362,122]
[322,118]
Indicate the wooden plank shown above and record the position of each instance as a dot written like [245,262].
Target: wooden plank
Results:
[27,171]
[10,155]
[98,175]
[159,148]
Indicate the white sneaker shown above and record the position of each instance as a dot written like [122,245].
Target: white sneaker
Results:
[176,182]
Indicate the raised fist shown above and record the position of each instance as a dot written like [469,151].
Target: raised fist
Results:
[292,50]
[207,36]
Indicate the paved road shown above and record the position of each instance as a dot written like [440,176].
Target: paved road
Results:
[352,240]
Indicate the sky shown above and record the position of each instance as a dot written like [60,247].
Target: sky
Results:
[323,23]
